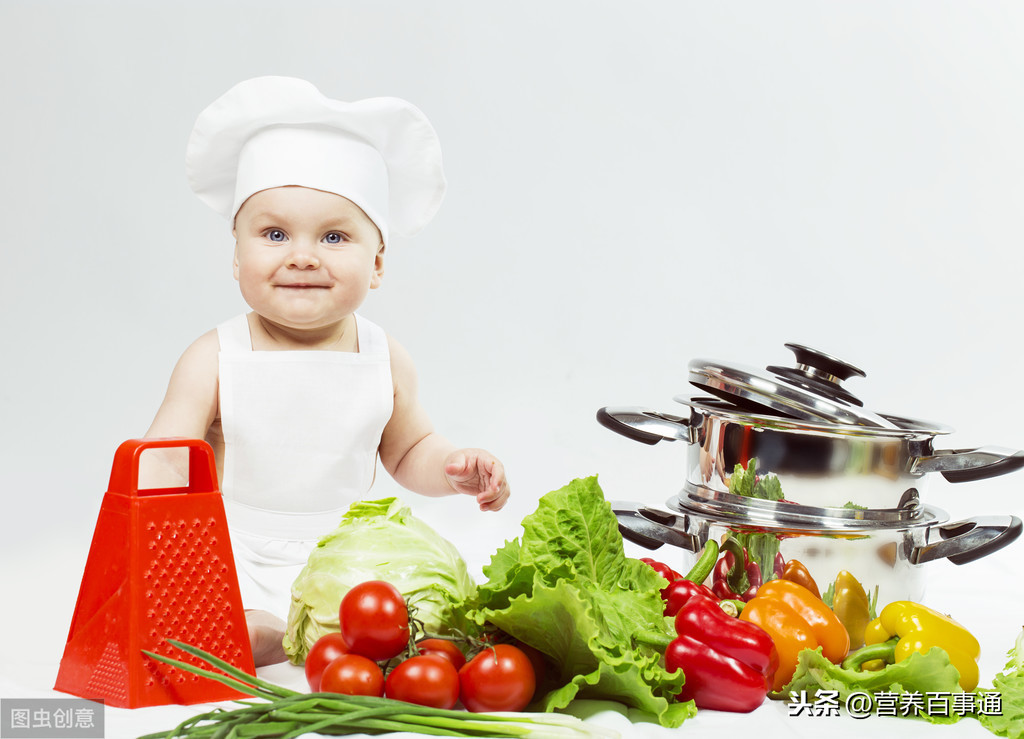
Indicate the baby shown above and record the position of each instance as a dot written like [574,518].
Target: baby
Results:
[300,396]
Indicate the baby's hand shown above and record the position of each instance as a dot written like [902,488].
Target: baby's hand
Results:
[479,473]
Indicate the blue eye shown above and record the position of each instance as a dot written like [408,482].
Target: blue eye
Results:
[334,238]
[276,234]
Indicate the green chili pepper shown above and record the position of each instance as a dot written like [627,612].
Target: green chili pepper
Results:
[884,652]
[703,566]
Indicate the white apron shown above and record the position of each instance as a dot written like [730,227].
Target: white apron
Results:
[301,432]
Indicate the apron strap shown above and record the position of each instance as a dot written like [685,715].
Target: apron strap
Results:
[373,342]
[233,335]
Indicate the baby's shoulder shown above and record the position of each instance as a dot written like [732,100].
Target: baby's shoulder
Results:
[205,345]
[398,352]
[195,375]
[201,356]
[403,371]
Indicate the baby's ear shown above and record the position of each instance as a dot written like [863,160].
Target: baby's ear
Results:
[378,268]
[234,261]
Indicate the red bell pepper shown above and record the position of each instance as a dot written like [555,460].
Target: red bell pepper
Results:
[728,666]
[736,577]
[679,592]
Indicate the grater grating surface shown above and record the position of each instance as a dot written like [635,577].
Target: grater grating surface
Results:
[186,598]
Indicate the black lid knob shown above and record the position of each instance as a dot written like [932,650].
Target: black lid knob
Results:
[820,373]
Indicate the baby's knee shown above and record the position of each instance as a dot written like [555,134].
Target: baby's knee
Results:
[266,634]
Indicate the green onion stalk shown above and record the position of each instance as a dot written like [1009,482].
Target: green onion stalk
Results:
[288,713]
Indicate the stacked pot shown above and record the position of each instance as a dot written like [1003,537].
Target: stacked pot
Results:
[853,482]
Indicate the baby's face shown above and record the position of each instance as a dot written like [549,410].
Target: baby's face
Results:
[305,258]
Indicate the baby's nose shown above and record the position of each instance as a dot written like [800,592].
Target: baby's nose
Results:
[302,257]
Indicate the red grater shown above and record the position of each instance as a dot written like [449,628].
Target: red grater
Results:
[160,566]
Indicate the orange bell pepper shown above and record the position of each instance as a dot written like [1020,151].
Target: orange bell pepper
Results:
[796,571]
[796,620]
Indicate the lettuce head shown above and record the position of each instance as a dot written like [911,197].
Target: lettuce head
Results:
[377,540]
[567,588]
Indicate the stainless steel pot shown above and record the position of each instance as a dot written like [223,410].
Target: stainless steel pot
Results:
[802,425]
[881,548]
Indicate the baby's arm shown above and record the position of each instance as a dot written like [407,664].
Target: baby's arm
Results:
[422,460]
[188,410]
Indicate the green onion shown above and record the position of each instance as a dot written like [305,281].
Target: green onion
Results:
[288,713]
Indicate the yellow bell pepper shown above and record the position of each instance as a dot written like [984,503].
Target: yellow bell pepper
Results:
[851,605]
[919,628]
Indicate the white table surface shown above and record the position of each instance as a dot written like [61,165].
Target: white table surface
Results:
[40,588]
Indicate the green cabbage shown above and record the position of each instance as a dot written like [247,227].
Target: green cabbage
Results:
[377,540]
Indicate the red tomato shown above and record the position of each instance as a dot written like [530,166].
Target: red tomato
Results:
[443,648]
[326,649]
[426,680]
[500,678]
[375,620]
[351,674]
[537,661]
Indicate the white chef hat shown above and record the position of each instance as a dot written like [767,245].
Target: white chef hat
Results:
[380,153]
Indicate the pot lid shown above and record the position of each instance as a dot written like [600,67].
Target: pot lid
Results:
[900,427]
[811,390]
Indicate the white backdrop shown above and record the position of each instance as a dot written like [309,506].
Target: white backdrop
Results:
[631,186]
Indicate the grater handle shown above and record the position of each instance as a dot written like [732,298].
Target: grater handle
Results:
[202,470]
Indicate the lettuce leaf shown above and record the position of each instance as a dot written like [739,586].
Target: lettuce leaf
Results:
[919,673]
[1010,722]
[745,482]
[1010,685]
[568,589]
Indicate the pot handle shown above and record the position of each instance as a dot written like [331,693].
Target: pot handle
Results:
[630,530]
[650,527]
[970,539]
[640,424]
[967,465]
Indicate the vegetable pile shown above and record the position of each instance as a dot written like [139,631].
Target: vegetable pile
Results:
[565,592]
[829,642]
[395,636]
